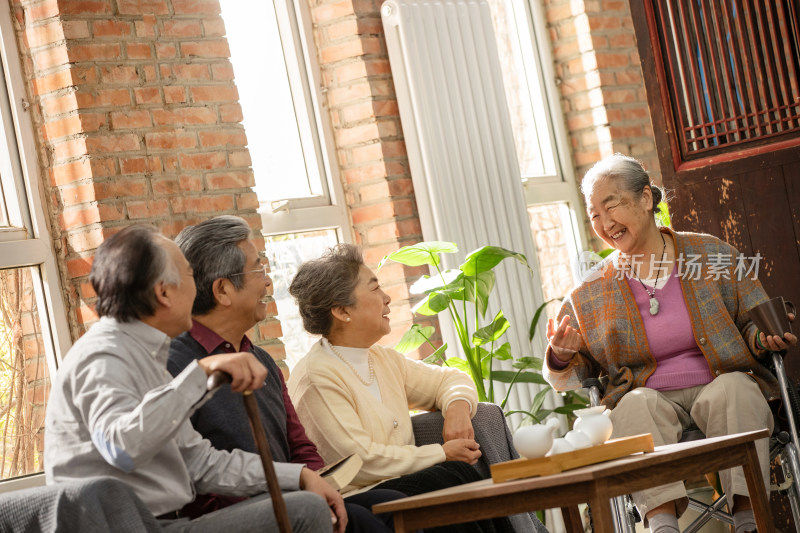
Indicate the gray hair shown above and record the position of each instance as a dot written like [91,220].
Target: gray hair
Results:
[212,249]
[125,271]
[628,171]
[324,283]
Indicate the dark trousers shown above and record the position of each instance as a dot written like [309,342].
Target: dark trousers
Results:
[359,511]
[442,476]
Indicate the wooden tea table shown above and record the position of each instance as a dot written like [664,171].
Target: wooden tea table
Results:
[595,484]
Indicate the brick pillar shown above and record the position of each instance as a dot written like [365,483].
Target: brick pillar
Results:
[600,79]
[370,148]
[137,120]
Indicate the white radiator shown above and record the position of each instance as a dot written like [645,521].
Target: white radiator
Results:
[459,140]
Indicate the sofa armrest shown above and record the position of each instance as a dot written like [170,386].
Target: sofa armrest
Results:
[491,432]
[99,504]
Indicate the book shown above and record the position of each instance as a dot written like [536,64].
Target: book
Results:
[340,473]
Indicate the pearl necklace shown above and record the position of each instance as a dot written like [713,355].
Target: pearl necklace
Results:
[366,383]
[654,304]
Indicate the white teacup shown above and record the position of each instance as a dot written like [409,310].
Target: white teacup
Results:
[578,439]
[561,445]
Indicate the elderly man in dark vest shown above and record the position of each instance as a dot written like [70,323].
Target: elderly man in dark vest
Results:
[232,292]
[114,411]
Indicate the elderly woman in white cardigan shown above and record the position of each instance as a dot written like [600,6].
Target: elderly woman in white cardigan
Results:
[353,396]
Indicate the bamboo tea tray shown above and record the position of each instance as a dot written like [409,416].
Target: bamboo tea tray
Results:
[542,466]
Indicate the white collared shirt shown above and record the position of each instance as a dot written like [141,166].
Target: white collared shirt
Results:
[115,411]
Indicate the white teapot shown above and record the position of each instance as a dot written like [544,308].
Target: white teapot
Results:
[594,423]
[535,440]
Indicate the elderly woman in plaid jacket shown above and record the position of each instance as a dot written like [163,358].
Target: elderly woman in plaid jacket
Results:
[664,316]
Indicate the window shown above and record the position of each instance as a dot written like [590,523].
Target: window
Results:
[290,145]
[286,253]
[33,328]
[550,190]
[732,72]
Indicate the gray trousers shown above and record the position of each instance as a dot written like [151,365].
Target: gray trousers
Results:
[308,513]
[731,403]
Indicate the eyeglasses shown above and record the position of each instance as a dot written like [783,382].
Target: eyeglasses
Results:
[262,270]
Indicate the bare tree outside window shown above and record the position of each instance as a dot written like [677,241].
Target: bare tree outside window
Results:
[24,381]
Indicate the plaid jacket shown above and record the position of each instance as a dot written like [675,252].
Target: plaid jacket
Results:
[605,312]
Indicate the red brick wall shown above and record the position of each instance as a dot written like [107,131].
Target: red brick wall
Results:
[600,80]
[138,120]
[369,141]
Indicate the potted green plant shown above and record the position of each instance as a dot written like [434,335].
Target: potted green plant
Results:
[463,293]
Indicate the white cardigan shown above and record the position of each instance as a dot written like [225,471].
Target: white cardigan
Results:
[342,417]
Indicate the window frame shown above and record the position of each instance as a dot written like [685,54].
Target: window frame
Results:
[30,242]
[326,211]
[562,186]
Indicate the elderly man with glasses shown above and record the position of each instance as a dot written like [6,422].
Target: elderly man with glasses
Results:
[114,411]
[232,297]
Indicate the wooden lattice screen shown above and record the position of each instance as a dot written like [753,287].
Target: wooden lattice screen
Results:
[732,69]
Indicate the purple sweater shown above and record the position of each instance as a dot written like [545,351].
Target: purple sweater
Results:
[679,362]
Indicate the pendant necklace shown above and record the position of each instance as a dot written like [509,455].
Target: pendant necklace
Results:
[653,302]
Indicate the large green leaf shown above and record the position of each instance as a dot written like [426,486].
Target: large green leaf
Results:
[461,288]
[503,353]
[415,337]
[436,355]
[492,332]
[487,258]
[478,288]
[432,304]
[427,284]
[537,316]
[457,362]
[605,253]
[528,362]
[538,400]
[506,376]
[422,253]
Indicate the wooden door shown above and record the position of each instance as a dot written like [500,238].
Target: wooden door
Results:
[723,87]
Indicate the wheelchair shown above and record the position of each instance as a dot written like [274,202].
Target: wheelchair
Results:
[784,443]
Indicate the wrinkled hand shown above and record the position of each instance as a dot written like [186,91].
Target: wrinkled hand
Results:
[464,450]
[565,340]
[313,482]
[246,372]
[457,423]
[774,342]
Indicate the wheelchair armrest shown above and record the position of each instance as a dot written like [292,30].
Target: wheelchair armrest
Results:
[596,388]
[588,383]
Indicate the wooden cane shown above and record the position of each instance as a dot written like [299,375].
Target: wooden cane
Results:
[215,380]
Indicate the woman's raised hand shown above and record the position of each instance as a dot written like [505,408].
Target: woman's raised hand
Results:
[465,450]
[565,340]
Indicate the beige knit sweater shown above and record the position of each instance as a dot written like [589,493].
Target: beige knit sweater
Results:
[341,416]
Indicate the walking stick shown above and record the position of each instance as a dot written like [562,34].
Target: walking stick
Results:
[217,379]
